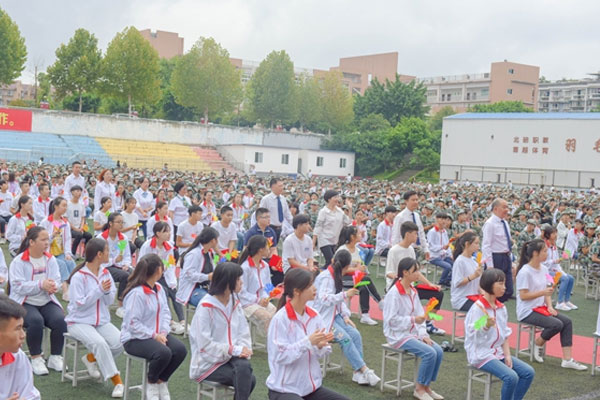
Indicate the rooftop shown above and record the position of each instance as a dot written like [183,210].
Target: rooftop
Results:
[557,115]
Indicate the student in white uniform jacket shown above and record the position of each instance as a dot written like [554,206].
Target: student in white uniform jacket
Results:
[552,263]
[487,346]
[15,370]
[19,224]
[145,329]
[297,339]
[404,327]
[465,272]
[220,335]
[3,272]
[91,291]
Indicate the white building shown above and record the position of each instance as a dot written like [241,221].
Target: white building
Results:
[569,96]
[553,149]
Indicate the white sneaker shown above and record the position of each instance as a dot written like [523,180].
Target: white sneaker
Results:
[92,367]
[562,307]
[177,328]
[120,312]
[538,351]
[152,391]
[163,389]
[2,241]
[38,365]
[55,363]
[360,378]
[572,364]
[366,319]
[118,391]
[372,378]
[573,306]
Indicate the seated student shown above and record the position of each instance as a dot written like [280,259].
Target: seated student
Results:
[161,215]
[573,237]
[6,199]
[487,347]
[384,232]
[76,217]
[146,326]
[91,293]
[41,205]
[262,227]
[130,225]
[240,213]
[330,304]
[217,357]
[60,241]
[159,244]
[15,370]
[209,210]
[297,339]
[367,252]
[34,279]
[189,229]
[119,259]
[439,248]
[227,230]
[19,224]
[254,297]
[197,267]
[297,247]
[465,272]
[3,272]
[534,303]
[552,264]
[24,191]
[404,327]
[101,216]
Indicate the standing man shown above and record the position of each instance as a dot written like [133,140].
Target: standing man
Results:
[74,179]
[497,244]
[409,213]
[277,206]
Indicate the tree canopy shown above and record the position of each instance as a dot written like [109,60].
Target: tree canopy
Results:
[501,107]
[13,52]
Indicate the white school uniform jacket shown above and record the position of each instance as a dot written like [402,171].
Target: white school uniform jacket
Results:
[145,200]
[327,302]
[293,361]
[485,344]
[88,302]
[218,332]
[192,273]
[20,275]
[146,313]
[573,240]
[114,251]
[50,224]
[41,209]
[104,189]
[3,271]
[399,311]
[165,253]
[209,211]
[156,218]
[16,376]
[552,262]
[254,278]
[437,239]
[16,230]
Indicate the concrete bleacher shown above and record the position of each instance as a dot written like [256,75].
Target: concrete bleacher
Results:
[29,147]
[85,147]
[212,157]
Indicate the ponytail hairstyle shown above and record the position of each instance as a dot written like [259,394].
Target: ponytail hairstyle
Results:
[32,234]
[341,260]
[22,200]
[111,220]
[535,245]
[92,248]
[346,233]
[255,244]
[296,278]
[225,276]
[548,231]
[464,241]
[404,265]
[160,227]
[104,200]
[55,203]
[203,238]
[145,268]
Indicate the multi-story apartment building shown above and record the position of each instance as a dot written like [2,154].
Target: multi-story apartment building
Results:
[570,95]
[167,44]
[16,91]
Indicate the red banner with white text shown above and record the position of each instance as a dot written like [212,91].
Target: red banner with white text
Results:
[15,120]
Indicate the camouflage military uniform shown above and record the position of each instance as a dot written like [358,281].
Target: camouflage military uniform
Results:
[593,268]
[585,259]
[313,217]
[458,228]
[523,238]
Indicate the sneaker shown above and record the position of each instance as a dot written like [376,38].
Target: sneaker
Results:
[92,367]
[152,391]
[562,307]
[434,330]
[2,241]
[163,389]
[55,363]
[422,396]
[177,328]
[371,377]
[573,306]
[360,378]
[435,396]
[120,312]
[366,319]
[38,365]
[118,391]
[572,364]
[538,352]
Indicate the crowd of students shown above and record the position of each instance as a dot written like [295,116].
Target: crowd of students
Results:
[191,240]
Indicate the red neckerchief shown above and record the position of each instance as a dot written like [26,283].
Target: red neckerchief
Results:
[251,263]
[7,358]
[26,256]
[437,229]
[157,217]
[209,204]
[388,223]
[43,201]
[119,235]
[18,215]
[401,289]
[487,305]
[166,244]
[291,313]
[210,251]
[548,245]
[148,290]
[51,218]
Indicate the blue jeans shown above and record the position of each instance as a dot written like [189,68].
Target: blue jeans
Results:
[65,266]
[368,255]
[446,265]
[240,241]
[515,380]
[565,288]
[350,341]
[431,358]
[197,295]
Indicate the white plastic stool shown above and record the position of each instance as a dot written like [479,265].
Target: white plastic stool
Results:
[212,389]
[381,263]
[75,374]
[254,334]
[141,387]
[400,356]
[188,308]
[327,365]
[477,375]
[532,330]
[457,315]
[595,354]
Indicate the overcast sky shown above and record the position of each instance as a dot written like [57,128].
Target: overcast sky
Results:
[432,37]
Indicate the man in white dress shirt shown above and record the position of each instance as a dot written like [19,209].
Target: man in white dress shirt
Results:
[277,206]
[409,213]
[384,232]
[74,179]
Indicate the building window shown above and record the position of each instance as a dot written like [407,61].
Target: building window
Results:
[474,95]
[342,163]
[449,96]
[468,96]
[319,161]
[443,97]
[511,71]
[258,157]
[509,91]
[285,159]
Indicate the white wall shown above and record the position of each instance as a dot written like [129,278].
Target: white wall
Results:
[271,158]
[331,162]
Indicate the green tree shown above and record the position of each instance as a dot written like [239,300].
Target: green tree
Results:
[501,107]
[336,102]
[85,102]
[374,122]
[308,102]
[77,67]
[13,52]
[167,108]
[435,121]
[130,69]
[205,80]
[272,90]
[394,100]
[44,92]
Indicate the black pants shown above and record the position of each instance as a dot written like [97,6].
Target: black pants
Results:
[135,244]
[50,315]
[143,228]
[77,236]
[171,294]
[319,394]
[276,277]
[553,325]
[162,360]
[3,222]
[328,252]
[364,292]
[503,262]
[428,294]
[237,372]
[277,230]
[467,305]
[120,276]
